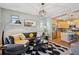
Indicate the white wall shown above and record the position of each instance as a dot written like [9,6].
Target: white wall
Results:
[8,13]
[0,26]
[0,23]
[5,19]
[0,19]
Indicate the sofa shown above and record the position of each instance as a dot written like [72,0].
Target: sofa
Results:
[18,43]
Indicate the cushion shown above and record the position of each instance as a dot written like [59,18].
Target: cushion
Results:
[7,40]
[16,38]
[14,47]
[22,37]
[11,38]
[30,35]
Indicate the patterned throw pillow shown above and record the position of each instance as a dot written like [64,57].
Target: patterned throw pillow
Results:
[22,37]
[16,38]
[7,40]
[31,35]
[11,38]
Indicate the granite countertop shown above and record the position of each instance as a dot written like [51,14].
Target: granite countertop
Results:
[76,29]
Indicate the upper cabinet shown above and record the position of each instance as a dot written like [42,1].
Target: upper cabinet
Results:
[61,23]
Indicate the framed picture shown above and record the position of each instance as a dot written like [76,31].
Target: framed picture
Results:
[15,19]
[29,23]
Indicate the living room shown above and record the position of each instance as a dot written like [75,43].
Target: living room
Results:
[39,28]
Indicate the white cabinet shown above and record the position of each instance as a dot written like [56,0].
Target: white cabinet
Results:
[65,36]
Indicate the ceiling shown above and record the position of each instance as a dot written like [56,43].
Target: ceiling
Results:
[53,9]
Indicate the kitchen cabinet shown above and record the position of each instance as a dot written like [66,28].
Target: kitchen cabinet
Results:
[63,24]
[65,36]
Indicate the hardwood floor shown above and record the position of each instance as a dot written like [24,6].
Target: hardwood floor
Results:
[61,42]
[57,39]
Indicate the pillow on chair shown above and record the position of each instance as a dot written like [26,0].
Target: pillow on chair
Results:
[30,35]
[17,39]
[11,39]
[7,40]
[22,37]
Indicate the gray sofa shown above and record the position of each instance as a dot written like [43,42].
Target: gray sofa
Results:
[12,49]
[15,49]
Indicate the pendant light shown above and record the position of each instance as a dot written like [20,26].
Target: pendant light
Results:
[42,12]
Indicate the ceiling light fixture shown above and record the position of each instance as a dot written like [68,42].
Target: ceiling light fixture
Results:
[42,12]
